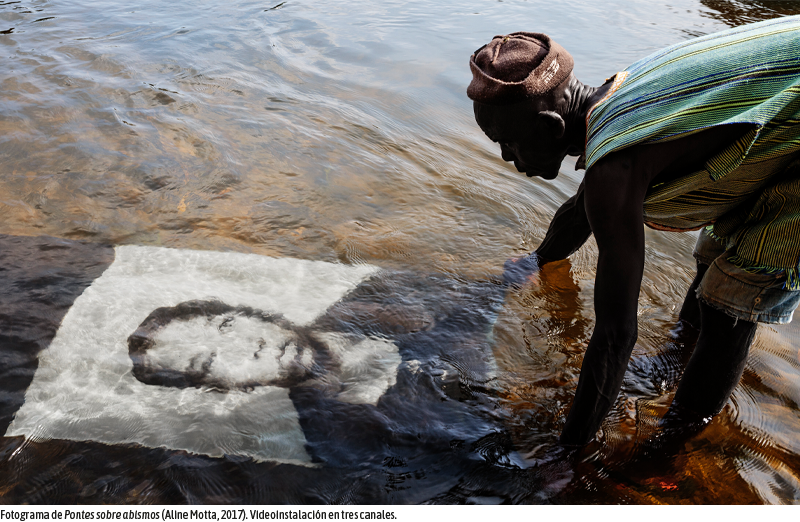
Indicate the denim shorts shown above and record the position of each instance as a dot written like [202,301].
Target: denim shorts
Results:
[748,296]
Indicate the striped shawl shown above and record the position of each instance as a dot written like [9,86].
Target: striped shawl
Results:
[749,194]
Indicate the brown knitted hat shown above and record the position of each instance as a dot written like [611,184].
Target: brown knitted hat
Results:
[517,66]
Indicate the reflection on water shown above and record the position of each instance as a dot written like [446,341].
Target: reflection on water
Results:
[338,132]
[738,12]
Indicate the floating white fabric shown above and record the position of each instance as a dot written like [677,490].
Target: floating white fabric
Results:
[85,388]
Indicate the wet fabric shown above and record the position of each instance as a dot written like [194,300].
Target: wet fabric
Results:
[747,195]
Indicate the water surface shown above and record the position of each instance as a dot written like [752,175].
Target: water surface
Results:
[341,132]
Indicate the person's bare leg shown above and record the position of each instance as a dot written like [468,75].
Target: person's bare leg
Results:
[713,371]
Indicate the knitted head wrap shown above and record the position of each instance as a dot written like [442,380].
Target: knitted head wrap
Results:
[517,66]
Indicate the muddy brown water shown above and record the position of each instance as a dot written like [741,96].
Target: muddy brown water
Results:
[340,132]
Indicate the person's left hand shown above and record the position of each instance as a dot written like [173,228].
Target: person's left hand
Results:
[519,271]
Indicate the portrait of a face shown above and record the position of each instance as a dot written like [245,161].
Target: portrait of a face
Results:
[221,347]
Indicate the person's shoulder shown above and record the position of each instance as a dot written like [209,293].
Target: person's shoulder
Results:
[617,173]
[628,171]
[631,159]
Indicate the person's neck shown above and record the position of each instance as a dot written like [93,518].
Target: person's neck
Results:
[581,100]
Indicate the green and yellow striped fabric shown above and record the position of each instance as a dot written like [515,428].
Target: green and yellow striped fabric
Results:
[749,194]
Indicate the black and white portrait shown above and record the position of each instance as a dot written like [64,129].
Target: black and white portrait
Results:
[198,351]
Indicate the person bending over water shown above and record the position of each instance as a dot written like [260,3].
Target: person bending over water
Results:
[704,134]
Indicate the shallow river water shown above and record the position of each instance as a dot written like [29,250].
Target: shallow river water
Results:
[319,160]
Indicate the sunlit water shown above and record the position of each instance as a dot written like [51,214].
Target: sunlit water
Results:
[341,132]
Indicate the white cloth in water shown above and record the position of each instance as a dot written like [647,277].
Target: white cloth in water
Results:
[85,389]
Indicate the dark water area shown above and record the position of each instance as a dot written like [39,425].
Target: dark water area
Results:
[156,154]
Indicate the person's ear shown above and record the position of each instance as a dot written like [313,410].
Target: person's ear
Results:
[553,122]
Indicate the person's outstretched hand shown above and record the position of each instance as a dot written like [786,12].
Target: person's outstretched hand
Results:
[519,271]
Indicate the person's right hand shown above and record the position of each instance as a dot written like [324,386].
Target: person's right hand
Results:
[519,271]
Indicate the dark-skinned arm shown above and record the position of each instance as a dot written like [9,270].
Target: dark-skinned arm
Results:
[568,230]
[614,193]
